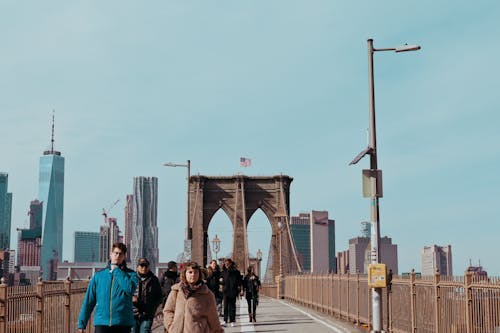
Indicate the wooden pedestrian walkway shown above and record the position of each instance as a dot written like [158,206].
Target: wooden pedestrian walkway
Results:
[275,315]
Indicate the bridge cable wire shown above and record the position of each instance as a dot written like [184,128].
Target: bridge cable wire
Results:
[287,222]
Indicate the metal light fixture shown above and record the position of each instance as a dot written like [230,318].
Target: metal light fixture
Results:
[216,245]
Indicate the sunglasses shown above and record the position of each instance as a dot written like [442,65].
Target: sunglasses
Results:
[143,265]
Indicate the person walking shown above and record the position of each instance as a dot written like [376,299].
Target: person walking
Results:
[110,292]
[214,283]
[190,306]
[251,286]
[169,278]
[231,280]
[147,299]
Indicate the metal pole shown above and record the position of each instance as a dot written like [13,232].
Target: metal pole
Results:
[188,228]
[374,206]
[281,254]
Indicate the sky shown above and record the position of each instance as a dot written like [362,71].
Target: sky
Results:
[285,83]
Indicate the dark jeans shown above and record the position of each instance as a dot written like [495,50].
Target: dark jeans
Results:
[112,329]
[252,305]
[229,309]
[142,326]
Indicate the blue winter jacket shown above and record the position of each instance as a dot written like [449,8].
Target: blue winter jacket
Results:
[111,295]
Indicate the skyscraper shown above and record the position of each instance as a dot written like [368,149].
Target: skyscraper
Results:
[86,246]
[144,242]
[5,212]
[436,258]
[109,234]
[129,217]
[314,238]
[359,254]
[29,240]
[300,229]
[51,193]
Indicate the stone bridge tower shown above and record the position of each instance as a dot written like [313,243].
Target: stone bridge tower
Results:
[240,197]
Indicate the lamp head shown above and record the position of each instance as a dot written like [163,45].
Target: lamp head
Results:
[407,48]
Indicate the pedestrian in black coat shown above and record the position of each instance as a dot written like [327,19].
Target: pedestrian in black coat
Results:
[214,283]
[251,286]
[231,280]
[147,298]
[169,278]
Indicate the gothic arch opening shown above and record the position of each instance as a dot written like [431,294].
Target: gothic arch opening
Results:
[220,225]
[259,231]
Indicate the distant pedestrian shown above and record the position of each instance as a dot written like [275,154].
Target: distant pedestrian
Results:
[147,299]
[251,286]
[231,279]
[110,291]
[214,280]
[190,306]
[169,278]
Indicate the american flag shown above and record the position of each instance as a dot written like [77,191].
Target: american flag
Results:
[245,162]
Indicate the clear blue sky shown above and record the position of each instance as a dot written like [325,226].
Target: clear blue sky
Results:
[137,84]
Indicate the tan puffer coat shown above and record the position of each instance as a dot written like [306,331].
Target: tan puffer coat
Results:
[196,314]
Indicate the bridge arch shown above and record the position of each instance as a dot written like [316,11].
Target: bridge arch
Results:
[239,196]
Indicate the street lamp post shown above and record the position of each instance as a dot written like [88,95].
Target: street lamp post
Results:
[188,166]
[280,227]
[216,245]
[259,259]
[375,177]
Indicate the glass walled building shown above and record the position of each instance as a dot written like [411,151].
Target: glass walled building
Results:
[144,242]
[51,194]
[86,246]
[5,212]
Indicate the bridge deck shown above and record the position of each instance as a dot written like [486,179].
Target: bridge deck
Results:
[281,316]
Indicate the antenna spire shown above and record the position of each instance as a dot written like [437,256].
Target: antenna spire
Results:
[52,139]
[51,151]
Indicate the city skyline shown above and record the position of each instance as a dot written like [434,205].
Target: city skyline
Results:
[283,84]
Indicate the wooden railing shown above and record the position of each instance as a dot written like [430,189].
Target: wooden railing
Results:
[47,307]
[435,304]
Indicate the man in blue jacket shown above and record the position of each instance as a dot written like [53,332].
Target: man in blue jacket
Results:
[110,291]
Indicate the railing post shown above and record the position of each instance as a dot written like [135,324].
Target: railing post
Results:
[437,304]
[413,302]
[339,298]
[358,292]
[67,304]
[3,306]
[389,301]
[348,298]
[39,306]
[468,300]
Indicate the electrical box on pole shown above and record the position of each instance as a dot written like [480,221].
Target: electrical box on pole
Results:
[377,276]
[370,175]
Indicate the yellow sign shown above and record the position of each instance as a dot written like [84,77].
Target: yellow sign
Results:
[377,276]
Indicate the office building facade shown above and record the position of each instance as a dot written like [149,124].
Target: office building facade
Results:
[109,234]
[129,218]
[5,212]
[313,235]
[144,241]
[300,229]
[29,241]
[86,246]
[436,258]
[359,254]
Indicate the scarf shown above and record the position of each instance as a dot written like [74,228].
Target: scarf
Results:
[189,290]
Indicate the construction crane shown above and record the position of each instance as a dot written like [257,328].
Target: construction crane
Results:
[106,211]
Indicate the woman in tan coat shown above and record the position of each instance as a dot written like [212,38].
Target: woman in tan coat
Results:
[191,306]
